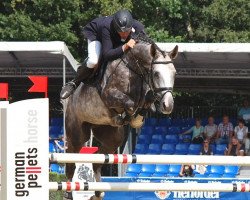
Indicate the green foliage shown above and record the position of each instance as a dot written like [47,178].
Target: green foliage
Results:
[54,177]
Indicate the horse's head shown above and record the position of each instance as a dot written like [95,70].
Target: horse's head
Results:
[161,71]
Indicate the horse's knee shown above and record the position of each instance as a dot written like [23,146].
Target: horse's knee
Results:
[70,169]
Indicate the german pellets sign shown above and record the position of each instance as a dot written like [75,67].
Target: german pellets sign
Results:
[27,155]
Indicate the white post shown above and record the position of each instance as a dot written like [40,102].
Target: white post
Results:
[25,144]
[3,129]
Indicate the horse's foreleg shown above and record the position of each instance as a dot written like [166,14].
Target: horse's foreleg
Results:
[116,98]
[110,138]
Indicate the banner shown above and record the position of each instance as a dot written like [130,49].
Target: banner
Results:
[178,195]
[25,165]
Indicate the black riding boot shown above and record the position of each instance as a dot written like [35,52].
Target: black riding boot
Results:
[83,73]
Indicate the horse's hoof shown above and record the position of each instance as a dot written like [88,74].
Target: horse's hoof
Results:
[67,196]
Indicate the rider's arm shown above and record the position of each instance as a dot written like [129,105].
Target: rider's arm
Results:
[110,53]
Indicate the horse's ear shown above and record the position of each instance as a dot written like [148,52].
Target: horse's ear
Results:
[173,54]
[153,50]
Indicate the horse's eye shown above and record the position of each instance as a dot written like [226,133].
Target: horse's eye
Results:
[157,75]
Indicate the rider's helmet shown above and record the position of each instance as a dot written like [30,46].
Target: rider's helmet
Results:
[122,21]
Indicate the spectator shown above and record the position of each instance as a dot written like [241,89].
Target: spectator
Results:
[206,149]
[210,130]
[240,131]
[244,112]
[225,131]
[197,131]
[247,144]
[235,148]
[187,171]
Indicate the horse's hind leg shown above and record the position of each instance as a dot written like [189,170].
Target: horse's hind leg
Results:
[77,135]
[110,138]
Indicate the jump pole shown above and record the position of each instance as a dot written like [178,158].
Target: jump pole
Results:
[124,186]
[149,159]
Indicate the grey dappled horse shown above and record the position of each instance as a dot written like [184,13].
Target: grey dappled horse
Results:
[123,88]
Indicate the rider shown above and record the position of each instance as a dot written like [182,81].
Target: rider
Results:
[108,38]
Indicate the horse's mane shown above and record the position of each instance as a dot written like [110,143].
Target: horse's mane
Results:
[142,37]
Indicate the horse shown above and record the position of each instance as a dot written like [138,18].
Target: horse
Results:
[124,87]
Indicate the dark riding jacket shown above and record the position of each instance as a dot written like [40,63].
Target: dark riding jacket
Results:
[102,29]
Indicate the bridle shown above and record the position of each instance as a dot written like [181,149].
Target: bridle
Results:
[148,76]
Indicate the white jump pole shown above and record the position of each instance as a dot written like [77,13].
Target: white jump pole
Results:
[149,159]
[124,186]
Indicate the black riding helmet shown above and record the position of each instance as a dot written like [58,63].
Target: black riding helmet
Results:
[122,21]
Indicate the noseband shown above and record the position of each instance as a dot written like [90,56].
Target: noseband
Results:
[161,89]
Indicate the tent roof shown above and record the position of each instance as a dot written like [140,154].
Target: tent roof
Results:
[216,67]
[35,54]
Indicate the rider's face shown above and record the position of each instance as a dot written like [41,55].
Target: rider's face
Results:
[124,35]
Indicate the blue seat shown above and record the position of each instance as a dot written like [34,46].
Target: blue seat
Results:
[144,139]
[157,139]
[171,139]
[131,174]
[234,170]
[141,149]
[161,130]
[156,174]
[54,168]
[194,149]
[165,122]
[228,176]
[217,169]
[174,130]
[213,147]
[56,121]
[168,149]
[163,169]
[181,149]
[145,174]
[200,175]
[220,149]
[148,168]
[147,130]
[151,121]
[174,169]
[154,149]
[214,176]
[55,131]
[134,168]
[177,122]
[52,148]
[187,138]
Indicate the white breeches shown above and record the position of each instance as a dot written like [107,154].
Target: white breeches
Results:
[94,52]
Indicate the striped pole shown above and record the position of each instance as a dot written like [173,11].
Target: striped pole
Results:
[125,186]
[149,159]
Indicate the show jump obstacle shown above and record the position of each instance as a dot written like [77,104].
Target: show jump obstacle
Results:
[25,165]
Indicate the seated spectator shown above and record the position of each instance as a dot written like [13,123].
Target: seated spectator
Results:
[244,112]
[210,130]
[240,131]
[225,131]
[206,149]
[235,148]
[197,130]
[247,144]
[187,171]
